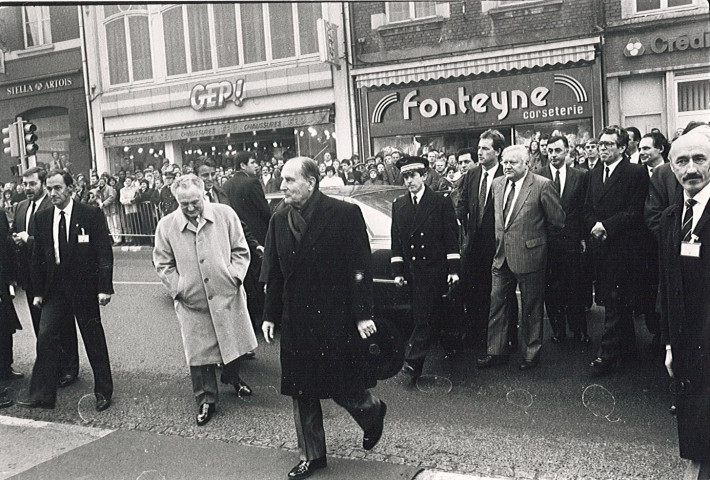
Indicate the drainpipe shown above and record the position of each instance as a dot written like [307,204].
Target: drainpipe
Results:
[352,107]
[87,88]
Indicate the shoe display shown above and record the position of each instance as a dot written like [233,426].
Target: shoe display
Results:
[305,468]
[370,439]
[204,413]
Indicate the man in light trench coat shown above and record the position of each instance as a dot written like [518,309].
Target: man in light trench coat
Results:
[201,256]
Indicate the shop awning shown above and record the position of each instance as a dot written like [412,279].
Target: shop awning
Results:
[171,133]
[515,58]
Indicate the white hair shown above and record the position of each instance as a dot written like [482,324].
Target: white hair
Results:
[185,182]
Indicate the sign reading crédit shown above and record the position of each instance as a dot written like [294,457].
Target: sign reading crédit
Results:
[514,99]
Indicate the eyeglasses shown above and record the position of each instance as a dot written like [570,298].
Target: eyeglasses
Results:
[607,144]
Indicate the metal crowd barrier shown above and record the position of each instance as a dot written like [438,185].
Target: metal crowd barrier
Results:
[136,227]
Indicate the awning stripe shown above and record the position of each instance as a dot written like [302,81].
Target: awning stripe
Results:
[523,58]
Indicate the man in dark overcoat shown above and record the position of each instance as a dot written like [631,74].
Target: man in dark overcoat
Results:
[614,219]
[425,252]
[685,283]
[9,323]
[319,290]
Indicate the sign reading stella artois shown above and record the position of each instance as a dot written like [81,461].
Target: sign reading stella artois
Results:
[505,100]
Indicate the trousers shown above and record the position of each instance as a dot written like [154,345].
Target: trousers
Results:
[204,380]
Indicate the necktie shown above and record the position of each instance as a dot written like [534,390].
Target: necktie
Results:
[508,202]
[62,237]
[415,201]
[687,227]
[482,197]
[29,217]
[650,171]
[209,197]
[606,174]
[558,183]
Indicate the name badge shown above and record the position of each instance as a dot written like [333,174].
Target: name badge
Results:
[83,238]
[690,249]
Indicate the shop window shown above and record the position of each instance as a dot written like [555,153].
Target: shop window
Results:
[406,11]
[37,28]
[576,131]
[645,6]
[128,43]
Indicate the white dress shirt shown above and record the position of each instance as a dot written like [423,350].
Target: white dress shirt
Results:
[489,179]
[55,227]
[518,184]
[563,176]
[702,198]
[37,202]
[612,167]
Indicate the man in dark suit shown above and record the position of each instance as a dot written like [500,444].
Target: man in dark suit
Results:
[425,252]
[614,218]
[34,181]
[9,323]
[474,209]
[72,271]
[247,198]
[527,206]
[591,149]
[321,295]
[685,282]
[564,294]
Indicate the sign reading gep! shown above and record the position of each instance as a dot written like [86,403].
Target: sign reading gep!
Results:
[216,94]
[513,99]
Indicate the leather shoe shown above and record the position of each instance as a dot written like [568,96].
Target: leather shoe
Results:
[11,374]
[204,413]
[306,468]
[251,355]
[492,361]
[4,401]
[242,389]
[582,338]
[66,380]
[409,370]
[371,437]
[601,366]
[528,365]
[102,402]
[29,403]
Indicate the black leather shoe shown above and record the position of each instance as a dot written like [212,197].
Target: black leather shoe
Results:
[305,469]
[249,355]
[242,389]
[4,401]
[582,338]
[601,366]
[102,403]
[370,439]
[66,380]
[409,370]
[528,365]
[10,374]
[492,361]
[204,413]
[28,403]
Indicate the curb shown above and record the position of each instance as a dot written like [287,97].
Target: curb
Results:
[59,427]
[439,475]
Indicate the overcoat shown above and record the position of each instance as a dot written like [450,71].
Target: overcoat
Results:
[425,249]
[9,322]
[203,268]
[685,325]
[317,290]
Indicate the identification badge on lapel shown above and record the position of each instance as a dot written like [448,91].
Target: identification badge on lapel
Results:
[692,248]
[83,238]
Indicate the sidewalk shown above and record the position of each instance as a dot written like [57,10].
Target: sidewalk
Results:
[32,450]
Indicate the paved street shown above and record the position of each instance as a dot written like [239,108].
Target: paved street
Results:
[554,422]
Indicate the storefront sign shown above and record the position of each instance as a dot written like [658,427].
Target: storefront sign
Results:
[239,126]
[41,85]
[215,95]
[514,99]
[663,43]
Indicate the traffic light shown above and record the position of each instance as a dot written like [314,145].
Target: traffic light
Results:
[10,140]
[29,138]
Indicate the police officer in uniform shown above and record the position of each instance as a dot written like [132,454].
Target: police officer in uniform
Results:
[425,252]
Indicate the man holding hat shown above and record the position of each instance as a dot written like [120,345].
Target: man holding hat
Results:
[425,251]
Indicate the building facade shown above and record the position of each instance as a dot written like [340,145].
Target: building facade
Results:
[437,74]
[657,63]
[42,80]
[178,81]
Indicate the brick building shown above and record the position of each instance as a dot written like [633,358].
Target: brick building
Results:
[42,80]
[439,73]
[657,63]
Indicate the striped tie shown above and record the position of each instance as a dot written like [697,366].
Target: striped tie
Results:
[687,227]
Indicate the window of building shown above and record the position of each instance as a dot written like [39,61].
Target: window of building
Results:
[37,28]
[128,43]
[253,32]
[226,37]
[404,11]
[644,6]
[693,99]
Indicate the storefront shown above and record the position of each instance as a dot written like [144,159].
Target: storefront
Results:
[524,100]
[56,103]
[658,75]
[218,118]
